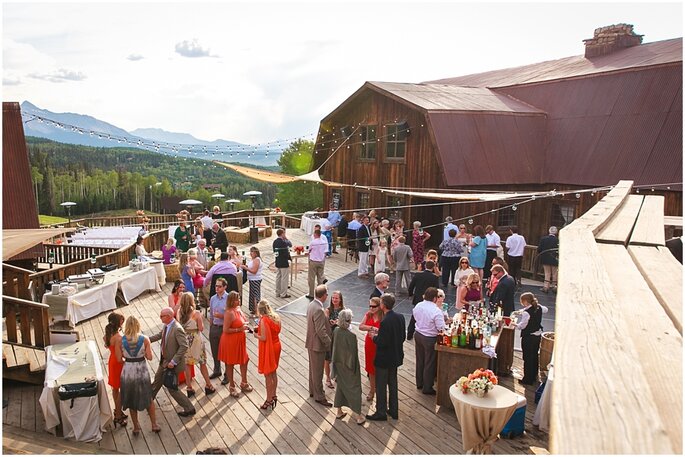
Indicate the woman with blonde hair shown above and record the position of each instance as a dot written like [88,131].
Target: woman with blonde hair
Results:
[233,346]
[191,321]
[187,272]
[471,292]
[200,272]
[168,250]
[136,388]
[253,270]
[268,328]
[419,238]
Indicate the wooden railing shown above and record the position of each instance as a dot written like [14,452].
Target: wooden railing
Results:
[28,319]
[63,254]
[292,222]
[16,281]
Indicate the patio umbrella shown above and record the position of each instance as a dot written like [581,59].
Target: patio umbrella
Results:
[218,196]
[190,201]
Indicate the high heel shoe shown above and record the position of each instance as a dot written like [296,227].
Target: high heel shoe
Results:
[266,404]
[274,402]
[121,420]
[233,391]
[190,393]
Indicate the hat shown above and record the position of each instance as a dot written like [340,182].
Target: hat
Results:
[553,230]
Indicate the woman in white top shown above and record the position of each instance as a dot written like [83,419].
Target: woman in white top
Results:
[254,269]
[140,249]
[463,271]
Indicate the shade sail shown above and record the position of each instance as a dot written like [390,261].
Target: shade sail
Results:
[313,176]
[16,241]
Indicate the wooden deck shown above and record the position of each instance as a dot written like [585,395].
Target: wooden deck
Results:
[297,425]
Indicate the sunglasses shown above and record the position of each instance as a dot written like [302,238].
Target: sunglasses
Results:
[373,306]
[464,262]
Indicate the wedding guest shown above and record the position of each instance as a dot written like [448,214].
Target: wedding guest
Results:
[346,369]
[493,243]
[429,322]
[137,392]
[233,345]
[478,253]
[332,313]
[193,324]
[380,256]
[462,272]
[217,308]
[140,249]
[317,342]
[182,237]
[217,216]
[401,255]
[363,237]
[469,293]
[372,319]
[200,272]
[168,250]
[419,238]
[269,350]
[281,247]
[176,292]
[451,252]
[253,269]
[112,339]
[187,273]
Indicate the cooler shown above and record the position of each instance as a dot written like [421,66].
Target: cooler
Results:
[517,423]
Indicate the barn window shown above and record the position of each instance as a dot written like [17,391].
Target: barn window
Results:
[506,216]
[368,142]
[395,140]
[394,205]
[363,200]
[562,214]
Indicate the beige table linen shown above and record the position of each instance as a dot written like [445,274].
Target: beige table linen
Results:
[542,412]
[88,417]
[482,419]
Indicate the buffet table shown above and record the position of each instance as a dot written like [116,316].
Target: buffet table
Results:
[87,417]
[89,302]
[481,419]
[308,222]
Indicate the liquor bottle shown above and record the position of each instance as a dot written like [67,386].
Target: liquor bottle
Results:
[455,337]
[479,341]
[440,339]
[462,337]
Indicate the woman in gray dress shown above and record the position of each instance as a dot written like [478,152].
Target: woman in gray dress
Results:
[346,369]
[136,388]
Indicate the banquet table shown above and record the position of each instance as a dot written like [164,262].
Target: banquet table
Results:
[308,222]
[89,302]
[85,418]
[481,419]
[541,417]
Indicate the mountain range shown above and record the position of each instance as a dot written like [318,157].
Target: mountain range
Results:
[73,128]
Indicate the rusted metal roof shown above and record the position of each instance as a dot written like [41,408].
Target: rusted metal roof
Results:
[437,97]
[489,148]
[18,200]
[649,54]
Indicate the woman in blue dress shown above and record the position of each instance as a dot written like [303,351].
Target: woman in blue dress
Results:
[187,273]
[478,253]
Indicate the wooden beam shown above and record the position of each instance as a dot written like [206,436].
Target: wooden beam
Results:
[664,275]
[598,216]
[603,401]
[658,343]
[620,226]
[649,228]
[673,221]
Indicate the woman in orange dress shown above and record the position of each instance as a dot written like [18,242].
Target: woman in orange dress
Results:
[269,350]
[233,344]
[112,338]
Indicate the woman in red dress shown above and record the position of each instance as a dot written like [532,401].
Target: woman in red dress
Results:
[372,319]
[233,346]
[269,350]
[112,339]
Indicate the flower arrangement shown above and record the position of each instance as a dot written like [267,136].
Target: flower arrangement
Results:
[478,382]
[277,209]
[299,249]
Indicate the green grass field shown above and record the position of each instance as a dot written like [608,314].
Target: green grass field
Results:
[49,220]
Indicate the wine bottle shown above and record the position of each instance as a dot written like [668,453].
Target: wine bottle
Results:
[479,341]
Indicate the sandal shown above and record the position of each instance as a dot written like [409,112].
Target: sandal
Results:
[274,401]
[266,404]
[121,420]
[210,391]
[233,391]
[329,384]
[190,393]
[246,387]
[340,416]
[136,431]
[156,428]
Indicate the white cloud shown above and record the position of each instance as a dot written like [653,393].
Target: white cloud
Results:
[11,81]
[192,49]
[135,57]
[59,76]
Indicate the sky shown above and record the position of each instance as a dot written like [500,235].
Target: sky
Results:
[265,71]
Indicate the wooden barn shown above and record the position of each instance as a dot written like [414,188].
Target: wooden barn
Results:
[575,123]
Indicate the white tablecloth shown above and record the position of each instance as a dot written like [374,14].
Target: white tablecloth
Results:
[100,298]
[307,224]
[89,416]
[541,417]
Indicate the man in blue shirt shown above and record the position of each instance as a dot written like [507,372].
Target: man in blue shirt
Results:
[334,218]
[217,306]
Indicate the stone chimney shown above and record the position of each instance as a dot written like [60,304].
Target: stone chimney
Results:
[611,38]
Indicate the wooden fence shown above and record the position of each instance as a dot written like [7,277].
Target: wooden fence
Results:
[26,322]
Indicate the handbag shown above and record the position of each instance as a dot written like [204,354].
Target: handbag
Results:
[77,389]
[170,379]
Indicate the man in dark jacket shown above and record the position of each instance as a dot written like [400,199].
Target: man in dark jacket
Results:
[281,247]
[418,285]
[219,239]
[363,246]
[504,292]
[548,249]
[389,355]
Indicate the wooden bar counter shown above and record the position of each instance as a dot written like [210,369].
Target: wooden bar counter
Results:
[456,362]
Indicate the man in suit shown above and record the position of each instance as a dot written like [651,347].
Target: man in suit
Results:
[363,245]
[548,249]
[281,247]
[504,292]
[389,339]
[401,256]
[382,281]
[418,285]
[172,356]
[318,342]
[219,240]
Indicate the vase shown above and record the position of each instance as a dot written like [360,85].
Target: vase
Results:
[481,393]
